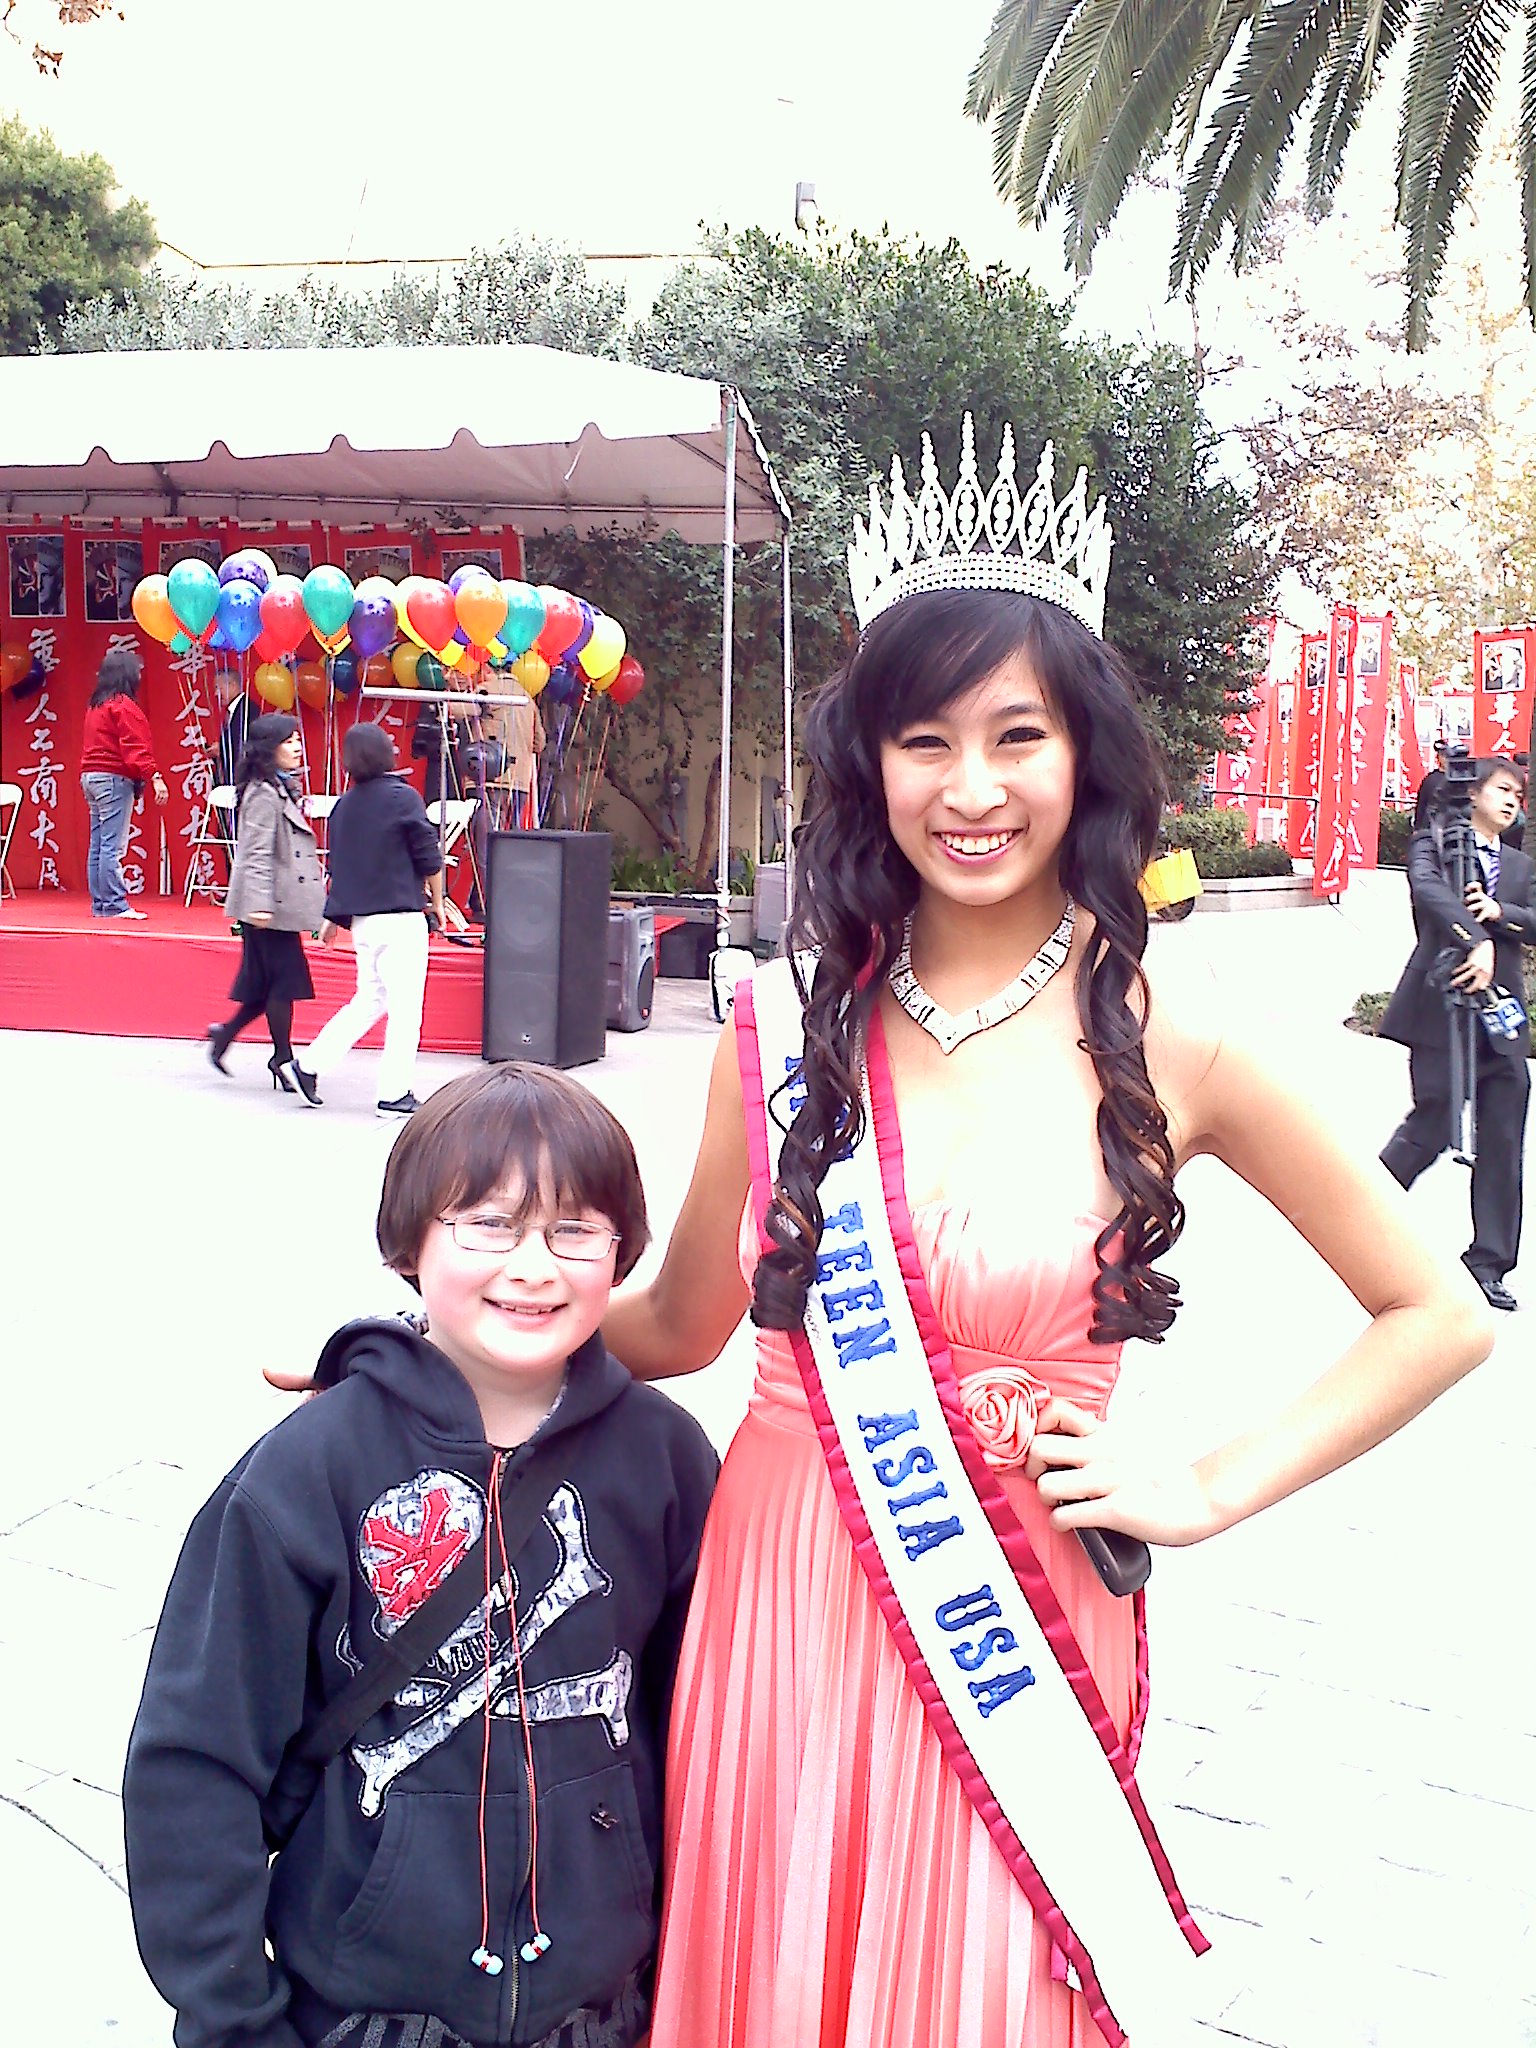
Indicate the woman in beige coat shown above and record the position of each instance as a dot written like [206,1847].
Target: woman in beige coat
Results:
[277,891]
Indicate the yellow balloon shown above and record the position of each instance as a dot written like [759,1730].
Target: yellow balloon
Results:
[451,655]
[274,685]
[605,647]
[605,682]
[530,671]
[403,661]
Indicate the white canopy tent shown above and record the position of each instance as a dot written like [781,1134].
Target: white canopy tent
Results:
[531,437]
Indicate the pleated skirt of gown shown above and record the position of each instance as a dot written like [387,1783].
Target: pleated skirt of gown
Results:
[828,1883]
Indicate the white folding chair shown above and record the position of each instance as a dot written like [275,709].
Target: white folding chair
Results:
[216,827]
[449,818]
[10,812]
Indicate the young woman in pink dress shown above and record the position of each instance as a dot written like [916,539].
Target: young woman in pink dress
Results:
[889,1821]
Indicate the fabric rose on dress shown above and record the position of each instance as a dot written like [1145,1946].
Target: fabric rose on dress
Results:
[1002,1405]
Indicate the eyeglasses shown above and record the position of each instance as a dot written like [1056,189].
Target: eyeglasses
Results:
[586,1243]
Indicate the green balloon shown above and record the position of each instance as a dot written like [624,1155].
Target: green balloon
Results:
[429,673]
[193,590]
[328,599]
[179,643]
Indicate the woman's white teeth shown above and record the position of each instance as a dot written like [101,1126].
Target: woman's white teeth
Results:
[976,842]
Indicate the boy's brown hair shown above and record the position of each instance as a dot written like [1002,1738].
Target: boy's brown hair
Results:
[512,1122]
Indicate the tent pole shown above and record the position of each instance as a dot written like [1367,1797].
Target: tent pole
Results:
[787,796]
[727,635]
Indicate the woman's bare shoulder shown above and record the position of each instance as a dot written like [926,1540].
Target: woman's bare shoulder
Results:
[1189,1019]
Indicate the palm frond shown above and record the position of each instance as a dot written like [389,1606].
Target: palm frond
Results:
[1525,153]
[992,75]
[1452,76]
[1234,182]
[1023,111]
[1136,130]
[1228,19]
[1367,33]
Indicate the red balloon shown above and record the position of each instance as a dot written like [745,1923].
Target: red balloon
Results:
[430,610]
[562,623]
[284,621]
[628,683]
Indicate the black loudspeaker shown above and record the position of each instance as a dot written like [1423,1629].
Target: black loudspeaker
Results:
[546,947]
[631,966]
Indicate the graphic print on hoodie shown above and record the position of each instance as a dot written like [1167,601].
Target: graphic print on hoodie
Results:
[324,1539]
[411,1538]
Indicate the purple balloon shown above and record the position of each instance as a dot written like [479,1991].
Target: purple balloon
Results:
[470,570]
[245,567]
[373,624]
[588,621]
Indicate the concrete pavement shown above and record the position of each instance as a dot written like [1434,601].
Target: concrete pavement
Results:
[1343,1749]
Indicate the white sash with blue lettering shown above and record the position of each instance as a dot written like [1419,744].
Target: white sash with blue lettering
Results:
[957,1582]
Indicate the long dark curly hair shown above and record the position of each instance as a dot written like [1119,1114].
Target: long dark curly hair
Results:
[855,888]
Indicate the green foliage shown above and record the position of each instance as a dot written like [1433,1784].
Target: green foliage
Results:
[1207,832]
[1242,863]
[641,874]
[525,291]
[61,237]
[1392,839]
[1084,97]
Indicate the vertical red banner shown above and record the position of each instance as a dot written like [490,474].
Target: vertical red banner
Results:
[1330,856]
[1369,691]
[1502,690]
[1411,768]
[1306,745]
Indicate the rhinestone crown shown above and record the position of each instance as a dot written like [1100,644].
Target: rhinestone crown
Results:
[982,540]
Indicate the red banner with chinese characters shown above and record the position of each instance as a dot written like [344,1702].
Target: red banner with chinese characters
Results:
[68,601]
[1238,775]
[1503,665]
[1369,692]
[1330,856]
[1306,747]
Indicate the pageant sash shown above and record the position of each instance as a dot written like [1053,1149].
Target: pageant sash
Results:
[987,1646]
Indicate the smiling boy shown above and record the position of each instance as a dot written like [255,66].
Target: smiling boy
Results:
[478,1864]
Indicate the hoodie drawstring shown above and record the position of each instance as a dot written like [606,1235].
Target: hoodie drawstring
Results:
[484,1957]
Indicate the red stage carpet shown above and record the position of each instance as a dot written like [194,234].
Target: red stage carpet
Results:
[63,970]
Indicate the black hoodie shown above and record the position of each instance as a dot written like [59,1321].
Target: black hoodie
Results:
[352,1507]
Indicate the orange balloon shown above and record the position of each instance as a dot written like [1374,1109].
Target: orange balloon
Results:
[376,672]
[15,664]
[274,685]
[312,683]
[152,609]
[481,609]
[403,664]
[530,671]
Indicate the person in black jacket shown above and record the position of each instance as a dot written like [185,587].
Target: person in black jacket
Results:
[382,853]
[1487,932]
[480,1861]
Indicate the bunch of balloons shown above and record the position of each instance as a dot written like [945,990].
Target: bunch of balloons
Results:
[533,632]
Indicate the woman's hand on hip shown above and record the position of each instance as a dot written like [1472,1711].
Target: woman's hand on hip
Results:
[1091,1476]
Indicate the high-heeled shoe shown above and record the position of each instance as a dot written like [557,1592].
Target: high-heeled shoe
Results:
[218,1045]
[278,1069]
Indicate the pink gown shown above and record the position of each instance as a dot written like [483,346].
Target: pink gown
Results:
[828,1884]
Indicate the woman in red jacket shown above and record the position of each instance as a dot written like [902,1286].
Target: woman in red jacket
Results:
[116,755]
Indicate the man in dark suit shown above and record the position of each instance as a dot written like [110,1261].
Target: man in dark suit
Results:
[1487,932]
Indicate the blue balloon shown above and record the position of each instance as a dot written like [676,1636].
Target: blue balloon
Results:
[344,672]
[564,686]
[239,615]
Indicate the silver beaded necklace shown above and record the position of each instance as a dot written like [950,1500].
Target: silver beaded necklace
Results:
[946,1031]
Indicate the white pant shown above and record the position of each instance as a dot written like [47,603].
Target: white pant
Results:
[391,977]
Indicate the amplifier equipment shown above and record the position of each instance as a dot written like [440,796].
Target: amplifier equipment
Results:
[631,966]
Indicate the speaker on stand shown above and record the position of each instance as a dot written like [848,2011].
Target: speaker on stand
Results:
[631,966]
[546,947]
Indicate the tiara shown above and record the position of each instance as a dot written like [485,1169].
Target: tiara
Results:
[982,540]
